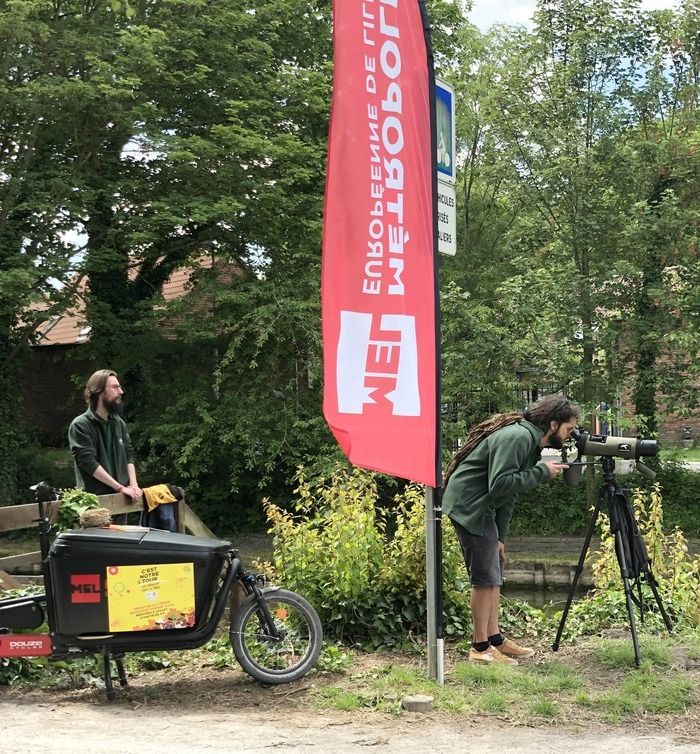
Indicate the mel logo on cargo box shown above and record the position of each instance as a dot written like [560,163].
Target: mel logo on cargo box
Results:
[85,587]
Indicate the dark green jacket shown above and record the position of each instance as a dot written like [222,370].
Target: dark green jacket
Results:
[95,442]
[485,484]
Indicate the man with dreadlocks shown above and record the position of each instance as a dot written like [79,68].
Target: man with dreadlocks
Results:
[501,458]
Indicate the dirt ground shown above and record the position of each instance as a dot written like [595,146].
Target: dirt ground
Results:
[192,709]
[70,727]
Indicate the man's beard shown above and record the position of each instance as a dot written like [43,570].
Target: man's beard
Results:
[115,407]
[555,442]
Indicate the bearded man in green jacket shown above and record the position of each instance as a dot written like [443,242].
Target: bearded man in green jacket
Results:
[501,458]
[100,442]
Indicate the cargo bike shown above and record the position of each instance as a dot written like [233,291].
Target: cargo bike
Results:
[114,590]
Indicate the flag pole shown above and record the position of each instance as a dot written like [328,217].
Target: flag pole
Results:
[433,496]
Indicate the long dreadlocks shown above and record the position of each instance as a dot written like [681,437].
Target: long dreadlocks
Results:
[476,435]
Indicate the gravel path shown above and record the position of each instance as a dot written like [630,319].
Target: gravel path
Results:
[58,728]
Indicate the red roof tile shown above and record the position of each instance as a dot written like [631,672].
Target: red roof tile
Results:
[71,328]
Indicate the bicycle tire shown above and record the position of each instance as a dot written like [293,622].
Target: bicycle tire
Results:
[282,660]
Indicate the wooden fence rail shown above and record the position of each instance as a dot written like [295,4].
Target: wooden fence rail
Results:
[16,517]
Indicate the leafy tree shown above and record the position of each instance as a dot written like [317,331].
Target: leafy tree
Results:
[159,130]
[661,227]
[36,197]
[257,415]
[578,199]
[179,129]
[477,364]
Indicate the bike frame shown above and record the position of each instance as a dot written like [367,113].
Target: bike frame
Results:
[55,645]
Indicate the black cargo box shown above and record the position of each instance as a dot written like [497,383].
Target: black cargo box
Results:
[82,561]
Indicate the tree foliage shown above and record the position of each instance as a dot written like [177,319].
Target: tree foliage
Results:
[164,133]
[579,202]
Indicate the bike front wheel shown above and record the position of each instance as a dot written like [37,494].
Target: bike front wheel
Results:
[281,655]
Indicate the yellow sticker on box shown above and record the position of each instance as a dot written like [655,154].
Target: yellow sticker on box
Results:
[150,597]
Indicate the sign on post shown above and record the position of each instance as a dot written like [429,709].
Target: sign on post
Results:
[447,218]
[446,168]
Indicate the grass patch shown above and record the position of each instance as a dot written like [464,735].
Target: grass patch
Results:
[17,543]
[481,676]
[644,692]
[381,688]
[340,699]
[550,677]
[619,653]
[596,683]
[495,702]
[680,454]
[529,692]
[544,708]
[693,649]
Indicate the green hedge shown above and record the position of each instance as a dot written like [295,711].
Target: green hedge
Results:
[551,509]
[52,465]
[681,494]
[557,509]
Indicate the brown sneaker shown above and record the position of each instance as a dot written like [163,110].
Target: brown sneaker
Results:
[500,658]
[511,649]
[490,656]
[483,657]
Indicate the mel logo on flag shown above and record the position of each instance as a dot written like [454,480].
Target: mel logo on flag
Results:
[383,361]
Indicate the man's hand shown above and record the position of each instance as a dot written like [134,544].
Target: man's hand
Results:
[133,491]
[501,551]
[556,468]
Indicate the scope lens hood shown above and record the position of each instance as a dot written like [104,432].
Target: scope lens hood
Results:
[648,448]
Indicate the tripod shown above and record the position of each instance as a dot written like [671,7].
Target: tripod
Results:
[630,551]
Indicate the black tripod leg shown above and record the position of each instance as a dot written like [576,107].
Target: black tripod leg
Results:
[640,599]
[628,594]
[651,580]
[577,574]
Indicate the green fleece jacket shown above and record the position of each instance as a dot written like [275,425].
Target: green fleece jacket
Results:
[487,481]
[95,442]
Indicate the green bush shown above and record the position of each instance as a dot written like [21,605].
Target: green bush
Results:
[35,464]
[553,508]
[681,493]
[677,574]
[366,578]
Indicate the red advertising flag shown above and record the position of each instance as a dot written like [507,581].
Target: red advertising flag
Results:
[378,282]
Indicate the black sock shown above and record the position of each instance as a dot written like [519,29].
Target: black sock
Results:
[480,646]
[496,640]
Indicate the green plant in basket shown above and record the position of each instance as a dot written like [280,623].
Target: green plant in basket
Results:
[71,505]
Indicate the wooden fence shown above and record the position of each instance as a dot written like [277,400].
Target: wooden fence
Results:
[16,517]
